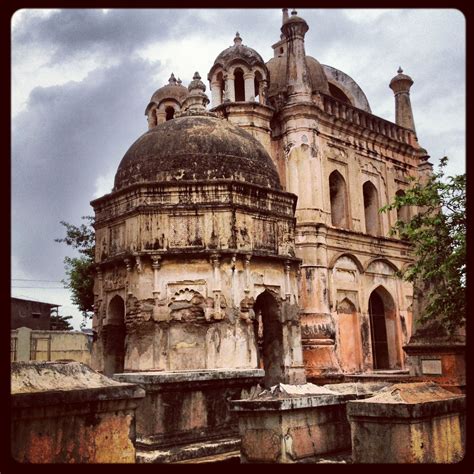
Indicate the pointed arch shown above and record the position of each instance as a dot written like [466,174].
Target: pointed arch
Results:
[383,260]
[239,84]
[338,199]
[358,264]
[269,332]
[114,337]
[371,208]
[403,213]
[384,330]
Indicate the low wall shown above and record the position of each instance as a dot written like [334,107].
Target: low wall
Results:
[28,344]
[67,413]
[185,407]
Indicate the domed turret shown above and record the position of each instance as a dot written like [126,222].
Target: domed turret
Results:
[196,148]
[238,74]
[165,102]
[400,85]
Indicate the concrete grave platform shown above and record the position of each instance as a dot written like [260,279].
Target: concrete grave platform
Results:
[185,415]
[408,423]
[68,413]
[293,423]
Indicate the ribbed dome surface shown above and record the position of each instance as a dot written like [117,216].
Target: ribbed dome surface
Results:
[196,148]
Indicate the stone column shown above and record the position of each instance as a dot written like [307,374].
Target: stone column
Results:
[262,91]
[230,88]
[152,118]
[156,265]
[287,265]
[160,116]
[128,264]
[249,82]
[247,259]
[216,93]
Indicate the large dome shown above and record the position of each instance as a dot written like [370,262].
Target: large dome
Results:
[196,148]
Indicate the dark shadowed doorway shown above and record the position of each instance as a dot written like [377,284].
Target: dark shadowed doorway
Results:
[378,332]
[269,327]
[114,341]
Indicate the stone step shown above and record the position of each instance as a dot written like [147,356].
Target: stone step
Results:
[222,450]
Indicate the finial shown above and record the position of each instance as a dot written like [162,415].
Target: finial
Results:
[172,79]
[196,83]
[237,39]
[285,14]
[294,12]
[179,81]
[400,70]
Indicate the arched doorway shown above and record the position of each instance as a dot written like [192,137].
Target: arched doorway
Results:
[269,334]
[384,331]
[114,340]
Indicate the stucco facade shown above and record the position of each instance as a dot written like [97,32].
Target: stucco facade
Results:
[259,210]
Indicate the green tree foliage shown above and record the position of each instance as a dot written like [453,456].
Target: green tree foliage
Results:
[60,323]
[438,235]
[80,270]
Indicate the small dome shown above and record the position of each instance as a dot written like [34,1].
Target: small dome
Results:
[238,51]
[401,78]
[277,68]
[196,148]
[173,90]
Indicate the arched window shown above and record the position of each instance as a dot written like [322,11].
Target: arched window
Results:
[371,209]
[169,113]
[403,213]
[338,197]
[239,85]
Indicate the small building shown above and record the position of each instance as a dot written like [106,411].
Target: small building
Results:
[31,314]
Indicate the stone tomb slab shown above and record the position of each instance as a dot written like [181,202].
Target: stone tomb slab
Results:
[64,412]
[288,424]
[185,414]
[408,423]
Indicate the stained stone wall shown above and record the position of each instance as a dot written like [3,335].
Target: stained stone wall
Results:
[189,261]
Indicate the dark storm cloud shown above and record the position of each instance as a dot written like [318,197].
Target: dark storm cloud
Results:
[68,136]
[70,33]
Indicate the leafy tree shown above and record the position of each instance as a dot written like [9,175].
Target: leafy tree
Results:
[80,270]
[60,323]
[438,235]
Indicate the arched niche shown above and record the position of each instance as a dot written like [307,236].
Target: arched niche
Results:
[371,208]
[114,337]
[384,330]
[269,332]
[338,199]
[403,213]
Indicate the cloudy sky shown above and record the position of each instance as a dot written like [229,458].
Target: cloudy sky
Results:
[81,80]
